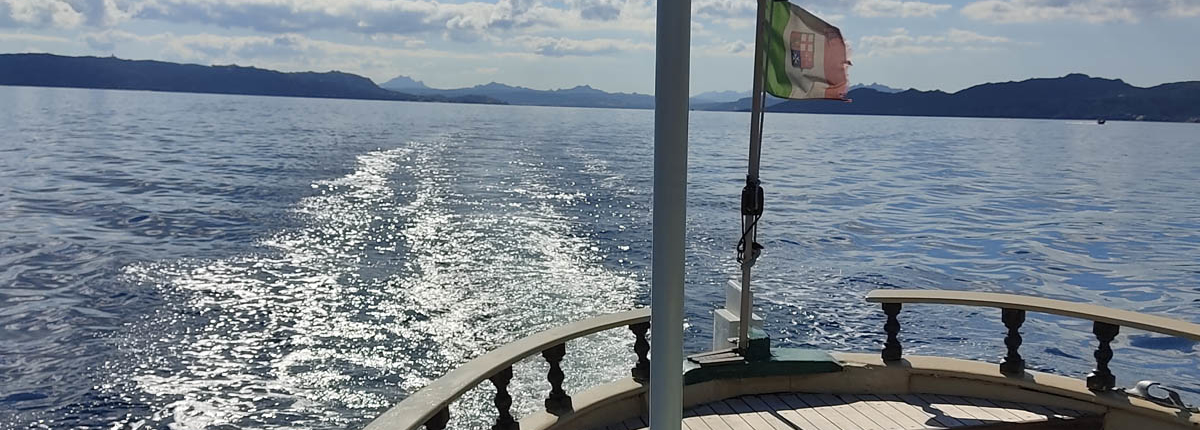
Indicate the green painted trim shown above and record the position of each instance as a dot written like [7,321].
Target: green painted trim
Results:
[760,345]
[777,81]
[783,362]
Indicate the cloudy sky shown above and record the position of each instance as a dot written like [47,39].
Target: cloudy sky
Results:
[609,44]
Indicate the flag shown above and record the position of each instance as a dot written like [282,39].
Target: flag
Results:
[806,57]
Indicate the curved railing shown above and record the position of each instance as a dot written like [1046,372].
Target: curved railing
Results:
[430,407]
[1106,323]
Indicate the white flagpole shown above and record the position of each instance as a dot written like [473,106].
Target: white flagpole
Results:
[752,209]
[670,202]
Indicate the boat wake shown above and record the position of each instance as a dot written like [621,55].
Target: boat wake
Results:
[404,268]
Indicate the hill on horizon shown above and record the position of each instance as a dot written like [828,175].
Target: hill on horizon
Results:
[578,96]
[48,70]
[402,82]
[877,87]
[1074,96]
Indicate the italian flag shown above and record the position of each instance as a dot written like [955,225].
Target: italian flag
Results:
[806,57]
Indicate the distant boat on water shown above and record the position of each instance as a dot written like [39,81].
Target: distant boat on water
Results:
[1100,121]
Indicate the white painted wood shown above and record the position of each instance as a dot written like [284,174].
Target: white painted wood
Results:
[996,411]
[833,415]
[926,407]
[965,406]
[950,410]
[1123,318]
[815,416]
[885,408]
[1026,412]
[861,406]
[790,414]
[758,421]
[412,412]
[710,418]
[805,411]
[733,419]
[846,410]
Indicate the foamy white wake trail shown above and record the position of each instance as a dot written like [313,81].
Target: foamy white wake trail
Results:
[402,269]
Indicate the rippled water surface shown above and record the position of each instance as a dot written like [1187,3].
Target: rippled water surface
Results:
[203,261]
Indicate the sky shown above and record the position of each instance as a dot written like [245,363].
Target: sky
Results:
[609,44]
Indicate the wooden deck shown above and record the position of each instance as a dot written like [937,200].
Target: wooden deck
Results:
[801,411]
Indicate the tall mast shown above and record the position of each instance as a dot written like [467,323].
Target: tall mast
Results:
[670,204]
[752,193]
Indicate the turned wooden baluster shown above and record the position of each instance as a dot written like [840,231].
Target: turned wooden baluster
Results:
[558,402]
[1102,379]
[1013,364]
[641,371]
[505,420]
[891,349]
[439,421]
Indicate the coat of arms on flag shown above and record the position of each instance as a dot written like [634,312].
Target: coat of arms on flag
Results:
[806,58]
[803,47]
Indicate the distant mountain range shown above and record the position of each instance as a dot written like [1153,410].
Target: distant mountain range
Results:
[401,83]
[877,87]
[711,97]
[47,70]
[1075,96]
[719,96]
[580,96]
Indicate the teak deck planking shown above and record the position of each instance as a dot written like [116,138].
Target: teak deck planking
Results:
[806,411]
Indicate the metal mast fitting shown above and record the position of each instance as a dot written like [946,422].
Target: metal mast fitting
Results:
[672,45]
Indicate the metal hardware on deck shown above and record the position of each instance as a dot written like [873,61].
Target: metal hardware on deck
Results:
[1170,398]
[439,421]
[1102,379]
[748,248]
[891,349]
[641,370]
[504,419]
[752,198]
[1013,364]
[558,402]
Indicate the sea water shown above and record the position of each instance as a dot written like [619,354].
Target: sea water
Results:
[195,261]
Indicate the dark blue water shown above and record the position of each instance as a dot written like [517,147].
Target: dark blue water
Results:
[203,261]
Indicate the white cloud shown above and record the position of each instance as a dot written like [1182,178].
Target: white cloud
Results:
[286,52]
[725,9]
[1183,8]
[360,16]
[600,10]
[901,42]
[61,13]
[968,37]
[31,38]
[106,41]
[897,8]
[1092,11]
[735,48]
[462,21]
[561,46]
[1011,11]
[38,13]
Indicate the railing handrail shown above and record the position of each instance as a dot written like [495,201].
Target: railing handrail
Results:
[415,410]
[1152,323]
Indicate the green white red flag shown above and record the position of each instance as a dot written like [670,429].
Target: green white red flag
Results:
[806,56]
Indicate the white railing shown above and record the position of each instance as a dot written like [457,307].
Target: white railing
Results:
[430,406]
[1106,323]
